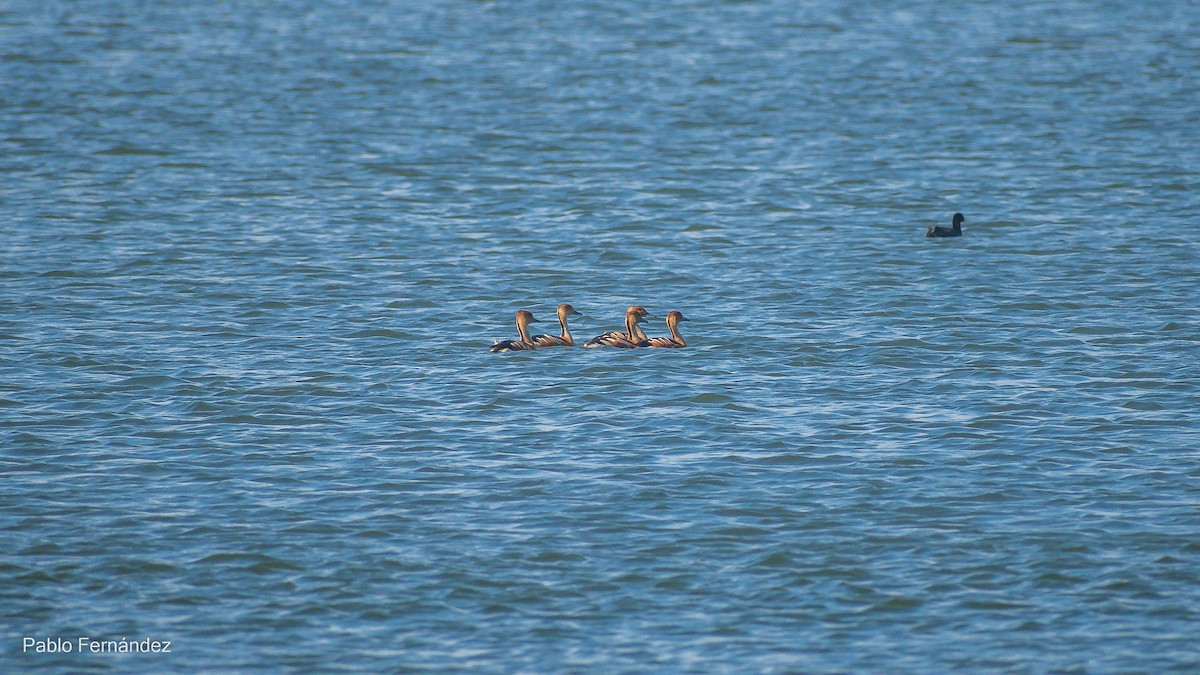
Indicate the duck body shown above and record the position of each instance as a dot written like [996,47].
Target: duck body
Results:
[524,318]
[955,230]
[611,339]
[675,341]
[563,340]
[511,346]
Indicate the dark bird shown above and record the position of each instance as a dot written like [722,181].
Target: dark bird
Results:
[955,231]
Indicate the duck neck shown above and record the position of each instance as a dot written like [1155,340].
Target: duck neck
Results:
[566,332]
[523,331]
[675,336]
[631,326]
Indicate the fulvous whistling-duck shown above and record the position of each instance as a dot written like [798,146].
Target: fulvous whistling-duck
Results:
[524,318]
[564,340]
[627,340]
[673,342]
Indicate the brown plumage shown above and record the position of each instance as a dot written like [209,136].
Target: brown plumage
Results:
[564,340]
[673,342]
[524,318]
[627,340]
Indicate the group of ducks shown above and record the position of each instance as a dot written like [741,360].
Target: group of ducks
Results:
[632,338]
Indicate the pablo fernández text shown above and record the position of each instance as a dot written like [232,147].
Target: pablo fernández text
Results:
[87,645]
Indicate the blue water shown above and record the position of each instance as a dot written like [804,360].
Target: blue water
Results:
[254,255]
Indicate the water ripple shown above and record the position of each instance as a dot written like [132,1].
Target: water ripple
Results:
[255,258]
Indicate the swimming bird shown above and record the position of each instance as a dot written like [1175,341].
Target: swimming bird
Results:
[955,231]
[565,340]
[524,318]
[673,342]
[627,340]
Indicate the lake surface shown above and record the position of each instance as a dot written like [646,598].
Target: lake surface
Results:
[254,255]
